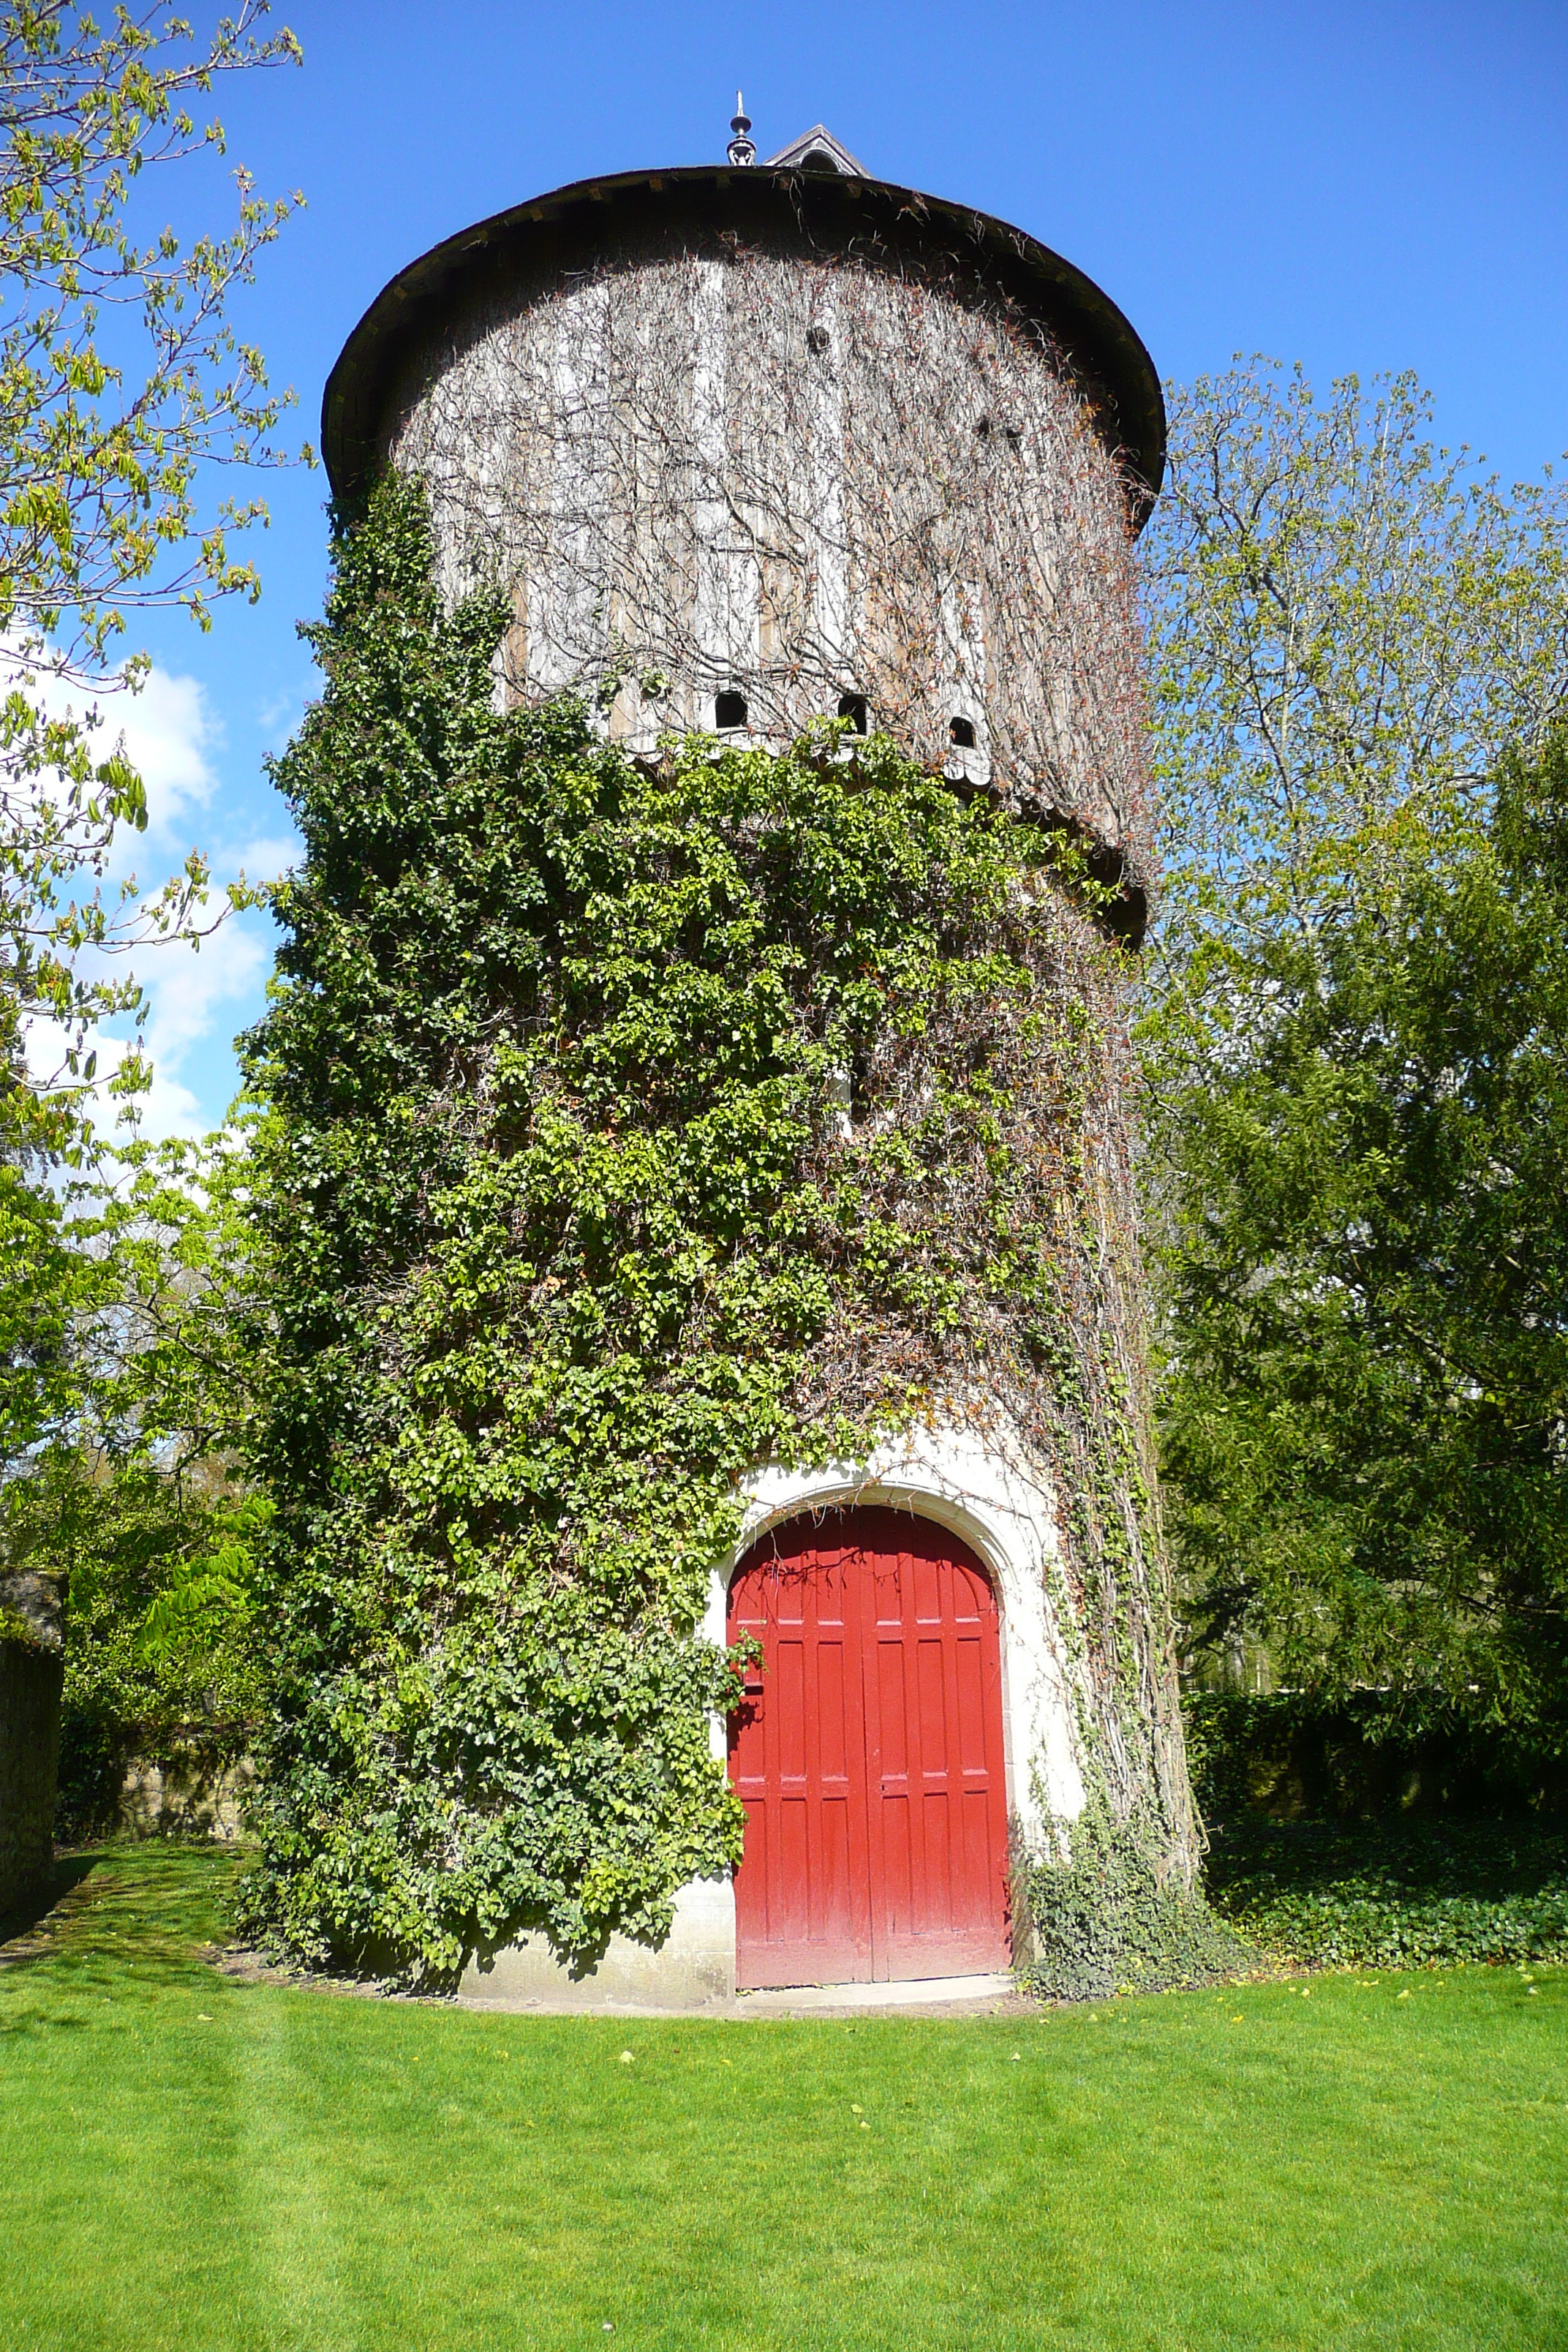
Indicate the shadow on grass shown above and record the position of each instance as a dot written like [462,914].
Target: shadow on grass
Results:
[149,1907]
[19,1937]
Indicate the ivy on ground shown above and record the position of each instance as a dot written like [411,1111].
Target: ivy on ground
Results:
[627,1124]
[1395,1893]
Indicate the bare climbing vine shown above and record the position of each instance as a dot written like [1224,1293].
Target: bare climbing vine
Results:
[796,479]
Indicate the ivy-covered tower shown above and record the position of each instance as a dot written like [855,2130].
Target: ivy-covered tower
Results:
[813,498]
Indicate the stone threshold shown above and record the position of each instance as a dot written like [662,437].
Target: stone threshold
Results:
[906,1992]
[938,1996]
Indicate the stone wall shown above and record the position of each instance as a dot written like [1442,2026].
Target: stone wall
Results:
[184,1796]
[30,1679]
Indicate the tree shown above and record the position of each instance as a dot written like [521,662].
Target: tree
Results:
[1366,1407]
[1348,628]
[122,380]
[134,1498]
[42,1278]
[122,386]
[1350,631]
[123,392]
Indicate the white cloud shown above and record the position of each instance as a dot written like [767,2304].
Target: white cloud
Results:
[196,998]
[169,730]
[278,717]
[188,987]
[267,857]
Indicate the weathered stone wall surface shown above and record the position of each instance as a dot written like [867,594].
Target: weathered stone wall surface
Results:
[793,479]
[30,1680]
[32,1672]
[183,1797]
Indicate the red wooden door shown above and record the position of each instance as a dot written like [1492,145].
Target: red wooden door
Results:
[869,1755]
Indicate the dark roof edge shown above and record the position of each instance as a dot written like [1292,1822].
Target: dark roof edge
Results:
[836,209]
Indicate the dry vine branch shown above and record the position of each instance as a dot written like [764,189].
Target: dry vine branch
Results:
[797,480]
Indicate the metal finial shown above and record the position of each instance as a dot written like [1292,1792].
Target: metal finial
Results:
[741,151]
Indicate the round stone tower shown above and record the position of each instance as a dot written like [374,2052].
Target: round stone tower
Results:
[783,440]
[749,446]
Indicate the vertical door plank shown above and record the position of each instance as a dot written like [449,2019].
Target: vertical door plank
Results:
[797,1761]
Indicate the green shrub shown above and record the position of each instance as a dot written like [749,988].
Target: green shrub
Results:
[1395,1894]
[1345,1754]
[130,1542]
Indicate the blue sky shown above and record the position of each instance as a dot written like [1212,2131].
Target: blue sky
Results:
[1362,188]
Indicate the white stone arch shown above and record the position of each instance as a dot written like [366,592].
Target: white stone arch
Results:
[987,1494]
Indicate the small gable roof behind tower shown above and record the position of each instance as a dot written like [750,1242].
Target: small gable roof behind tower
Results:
[816,150]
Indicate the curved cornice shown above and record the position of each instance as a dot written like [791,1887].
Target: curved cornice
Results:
[578,226]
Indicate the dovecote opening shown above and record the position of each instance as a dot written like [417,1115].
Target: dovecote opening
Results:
[729,709]
[962,732]
[853,707]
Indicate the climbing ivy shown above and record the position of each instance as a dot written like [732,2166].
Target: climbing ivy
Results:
[1104,1914]
[627,1124]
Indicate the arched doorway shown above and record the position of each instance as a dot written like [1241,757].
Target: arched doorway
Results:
[869,1754]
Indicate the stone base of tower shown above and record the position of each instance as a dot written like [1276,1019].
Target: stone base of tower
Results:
[693,1969]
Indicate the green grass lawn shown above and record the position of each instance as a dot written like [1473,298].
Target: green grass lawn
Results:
[187,2161]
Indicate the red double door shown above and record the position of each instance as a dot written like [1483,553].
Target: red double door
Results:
[869,1754]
